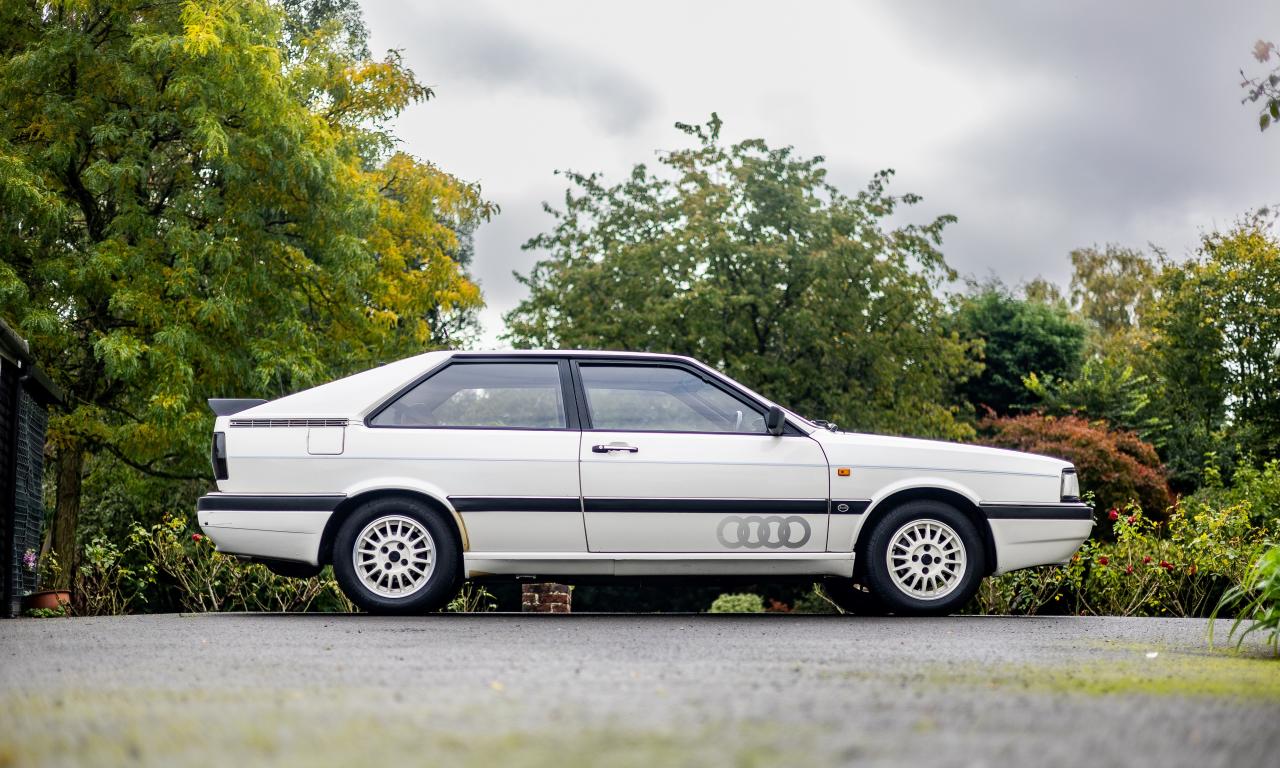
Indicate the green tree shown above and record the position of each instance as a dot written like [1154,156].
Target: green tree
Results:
[1217,324]
[1111,290]
[746,257]
[194,206]
[1019,338]
[1111,286]
[1108,389]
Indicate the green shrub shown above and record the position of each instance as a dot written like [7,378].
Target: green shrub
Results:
[814,601]
[1257,486]
[168,567]
[737,603]
[1181,567]
[472,598]
[105,585]
[1257,601]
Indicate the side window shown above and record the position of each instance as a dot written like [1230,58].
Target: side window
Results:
[663,399]
[519,395]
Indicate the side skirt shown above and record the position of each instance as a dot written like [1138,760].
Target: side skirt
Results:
[545,564]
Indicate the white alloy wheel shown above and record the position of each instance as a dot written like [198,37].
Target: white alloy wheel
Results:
[926,559]
[394,556]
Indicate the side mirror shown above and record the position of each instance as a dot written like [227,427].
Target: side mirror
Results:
[775,420]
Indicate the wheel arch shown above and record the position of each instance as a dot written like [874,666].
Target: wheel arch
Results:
[356,499]
[940,492]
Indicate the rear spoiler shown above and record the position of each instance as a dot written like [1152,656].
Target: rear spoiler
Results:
[229,406]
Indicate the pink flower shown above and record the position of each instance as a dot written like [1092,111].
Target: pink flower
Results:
[196,537]
[1128,569]
[1262,50]
[1113,515]
[1130,519]
[1103,560]
[1165,564]
[1146,559]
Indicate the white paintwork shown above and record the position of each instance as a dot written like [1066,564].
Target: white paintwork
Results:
[1026,543]
[441,463]
[695,466]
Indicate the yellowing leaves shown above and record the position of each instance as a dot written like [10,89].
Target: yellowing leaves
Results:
[220,218]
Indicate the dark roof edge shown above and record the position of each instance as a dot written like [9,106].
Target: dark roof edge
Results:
[16,347]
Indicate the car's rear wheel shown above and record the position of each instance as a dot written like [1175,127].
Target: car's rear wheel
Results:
[396,556]
[924,558]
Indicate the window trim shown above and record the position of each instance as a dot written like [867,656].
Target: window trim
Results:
[564,379]
[584,413]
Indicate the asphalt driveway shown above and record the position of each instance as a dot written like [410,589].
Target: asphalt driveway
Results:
[480,690]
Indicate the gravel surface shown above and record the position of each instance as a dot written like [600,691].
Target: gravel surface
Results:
[639,690]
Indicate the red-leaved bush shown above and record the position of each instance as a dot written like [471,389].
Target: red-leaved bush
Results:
[1118,467]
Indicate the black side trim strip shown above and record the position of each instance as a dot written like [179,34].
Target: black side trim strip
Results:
[849,506]
[244,503]
[516,504]
[1066,511]
[794,506]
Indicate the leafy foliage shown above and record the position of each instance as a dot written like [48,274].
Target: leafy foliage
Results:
[166,567]
[1111,286]
[1018,338]
[1217,323]
[1264,89]
[1258,487]
[737,603]
[1181,567]
[1257,602]
[1107,389]
[747,258]
[1115,466]
[195,204]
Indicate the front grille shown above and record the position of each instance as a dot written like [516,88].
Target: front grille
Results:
[288,422]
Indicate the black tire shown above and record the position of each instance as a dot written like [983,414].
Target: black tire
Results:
[442,580]
[853,598]
[898,600]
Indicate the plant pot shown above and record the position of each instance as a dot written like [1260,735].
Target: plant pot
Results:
[49,599]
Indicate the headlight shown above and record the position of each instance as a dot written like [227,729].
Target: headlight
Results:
[1070,485]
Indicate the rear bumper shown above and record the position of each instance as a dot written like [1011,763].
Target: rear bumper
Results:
[1027,535]
[269,527]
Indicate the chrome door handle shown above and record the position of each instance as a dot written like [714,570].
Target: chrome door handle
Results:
[614,447]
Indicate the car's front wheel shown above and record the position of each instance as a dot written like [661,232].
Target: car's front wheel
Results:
[924,558]
[396,556]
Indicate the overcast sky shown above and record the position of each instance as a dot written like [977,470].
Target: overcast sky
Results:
[1043,127]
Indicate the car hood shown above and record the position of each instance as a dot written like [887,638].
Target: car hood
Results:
[865,450]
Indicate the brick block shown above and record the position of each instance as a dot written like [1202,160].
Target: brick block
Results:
[545,598]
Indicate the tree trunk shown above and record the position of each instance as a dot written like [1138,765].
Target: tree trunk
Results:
[66,512]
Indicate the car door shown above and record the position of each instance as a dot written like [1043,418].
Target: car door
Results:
[500,437]
[675,460]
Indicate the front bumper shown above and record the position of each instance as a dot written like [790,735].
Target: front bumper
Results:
[1028,535]
[273,527]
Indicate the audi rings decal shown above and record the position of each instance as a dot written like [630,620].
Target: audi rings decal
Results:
[767,531]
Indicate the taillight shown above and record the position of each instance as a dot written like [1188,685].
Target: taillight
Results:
[218,455]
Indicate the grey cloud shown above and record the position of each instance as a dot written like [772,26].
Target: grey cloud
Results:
[1142,129]
[489,52]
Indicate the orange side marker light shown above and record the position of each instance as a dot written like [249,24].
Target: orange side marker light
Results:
[842,471]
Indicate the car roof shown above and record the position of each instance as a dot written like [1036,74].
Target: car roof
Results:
[361,391]
[567,353]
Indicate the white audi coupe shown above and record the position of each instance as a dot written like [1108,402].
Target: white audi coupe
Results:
[566,466]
